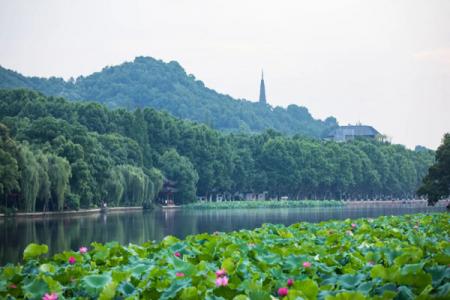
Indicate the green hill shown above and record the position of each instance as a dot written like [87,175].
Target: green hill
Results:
[147,82]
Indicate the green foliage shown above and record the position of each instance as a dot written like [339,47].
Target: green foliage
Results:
[147,82]
[94,284]
[436,184]
[114,187]
[29,178]
[59,173]
[263,204]
[87,152]
[9,171]
[35,289]
[34,250]
[135,185]
[384,258]
[181,170]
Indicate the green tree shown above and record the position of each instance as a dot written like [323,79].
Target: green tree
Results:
[59,174]
[44,192]
[156,179]
[29,178]
[9,170]
[114,186]
[135,184]
[179,169]
[436,184]
[113,155]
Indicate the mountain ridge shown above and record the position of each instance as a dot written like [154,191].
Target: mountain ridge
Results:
[148,82]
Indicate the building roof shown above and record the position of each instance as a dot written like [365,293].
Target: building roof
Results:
[354,130]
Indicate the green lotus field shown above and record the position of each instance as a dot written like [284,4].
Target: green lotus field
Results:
[402,257]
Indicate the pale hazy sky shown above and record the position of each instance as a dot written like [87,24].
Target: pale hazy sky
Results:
[384,63]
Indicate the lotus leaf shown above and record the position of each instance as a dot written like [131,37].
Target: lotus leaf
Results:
[386,258]
[34,250]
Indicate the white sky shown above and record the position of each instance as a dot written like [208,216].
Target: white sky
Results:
[384,63]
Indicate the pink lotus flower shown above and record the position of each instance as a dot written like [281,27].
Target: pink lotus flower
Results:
[179,274]
[282,292]
[221,272]
[83,250]
[72,260]
[290,282]
[52,296]
[222,281]
[354,225]
[13,286]
[177,254]
[306,264]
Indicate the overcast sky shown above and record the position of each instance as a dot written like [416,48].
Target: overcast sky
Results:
[382,63]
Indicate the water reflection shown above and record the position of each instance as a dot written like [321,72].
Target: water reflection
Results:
[63,233]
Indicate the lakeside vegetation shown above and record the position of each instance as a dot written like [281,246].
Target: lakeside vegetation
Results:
[436,184]
[263,204]
[58,154]
[400,257]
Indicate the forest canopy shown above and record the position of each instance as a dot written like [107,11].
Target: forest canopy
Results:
[436,184]
[58,154]
[147,82]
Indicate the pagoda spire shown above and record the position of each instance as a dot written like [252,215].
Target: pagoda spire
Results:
[262,90]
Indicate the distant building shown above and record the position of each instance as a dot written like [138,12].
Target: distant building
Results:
[351,132]
[262,90]
[166,195]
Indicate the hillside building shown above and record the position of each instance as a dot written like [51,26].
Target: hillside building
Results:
[351,132]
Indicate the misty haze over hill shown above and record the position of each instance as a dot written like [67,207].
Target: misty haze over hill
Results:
[147,82]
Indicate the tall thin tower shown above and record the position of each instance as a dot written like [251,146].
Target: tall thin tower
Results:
[262,90]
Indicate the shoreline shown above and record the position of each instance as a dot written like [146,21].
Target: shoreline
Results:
[71,212]
[394,203]
[349,203]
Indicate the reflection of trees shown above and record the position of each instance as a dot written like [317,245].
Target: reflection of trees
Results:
[70,232]
[177,222]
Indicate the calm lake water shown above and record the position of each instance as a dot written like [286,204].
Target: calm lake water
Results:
[71,232]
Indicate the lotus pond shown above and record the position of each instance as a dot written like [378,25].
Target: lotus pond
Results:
[401,257]
[62,233]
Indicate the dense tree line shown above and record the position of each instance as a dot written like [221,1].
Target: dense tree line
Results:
[147,82]
[436,184]
[50,161]
[85,153]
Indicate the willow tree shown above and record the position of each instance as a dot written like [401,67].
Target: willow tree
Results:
[135,181]
[29,178]
[114,187]
[59,173]
[156,179]
[44,194]
[9,170]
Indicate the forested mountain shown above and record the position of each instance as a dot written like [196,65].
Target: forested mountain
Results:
[56,153]
[147,82]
